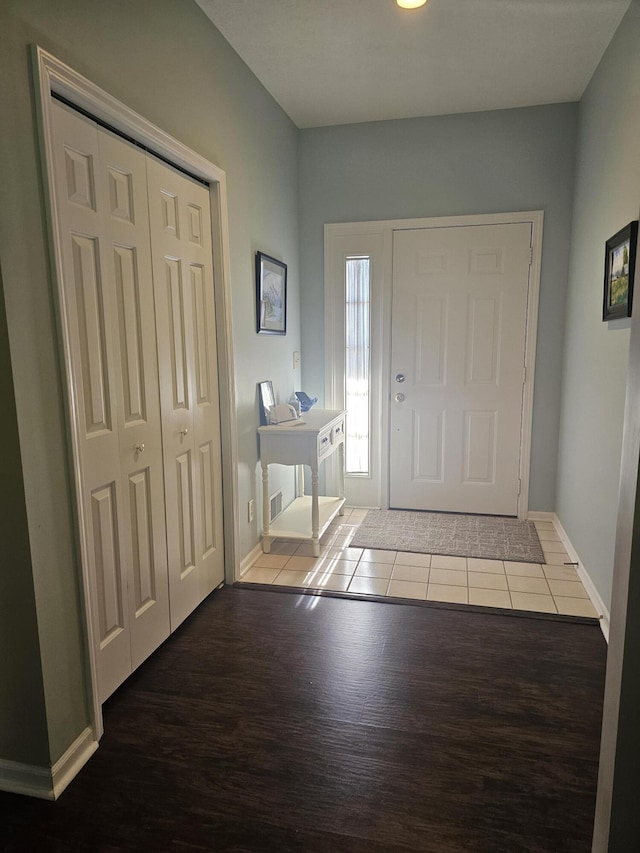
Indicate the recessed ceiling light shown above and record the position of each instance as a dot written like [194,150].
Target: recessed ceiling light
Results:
[410,4]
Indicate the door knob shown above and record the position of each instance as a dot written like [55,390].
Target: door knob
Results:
[139,448]
[399,398]
[184,432]
[400,377]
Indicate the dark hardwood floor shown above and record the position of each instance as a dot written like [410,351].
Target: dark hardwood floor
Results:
[285,722]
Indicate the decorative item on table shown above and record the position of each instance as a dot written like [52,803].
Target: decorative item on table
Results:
[293,401]
[266,400]
[305,401]
[271,295]
[284,413]
[619,271]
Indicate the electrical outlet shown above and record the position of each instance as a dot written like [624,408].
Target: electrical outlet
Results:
[250,511]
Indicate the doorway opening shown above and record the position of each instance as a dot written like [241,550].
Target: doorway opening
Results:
[430,337]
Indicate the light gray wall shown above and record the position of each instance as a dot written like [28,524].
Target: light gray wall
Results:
[490,162]
[166,61]
[607,197]
[23,724]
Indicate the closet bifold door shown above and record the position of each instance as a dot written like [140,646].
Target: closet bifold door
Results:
[124,177]
[107,307]
[181,246]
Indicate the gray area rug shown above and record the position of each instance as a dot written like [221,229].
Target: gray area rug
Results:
[484,536]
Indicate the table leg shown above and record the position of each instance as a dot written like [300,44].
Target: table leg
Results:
[315,514]
[266,538]
[341,475]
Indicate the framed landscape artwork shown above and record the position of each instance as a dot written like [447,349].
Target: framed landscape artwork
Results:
[619,271]
[271,295]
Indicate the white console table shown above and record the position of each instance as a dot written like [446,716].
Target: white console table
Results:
[308,443]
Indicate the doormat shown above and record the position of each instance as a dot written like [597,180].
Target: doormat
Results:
[484,536]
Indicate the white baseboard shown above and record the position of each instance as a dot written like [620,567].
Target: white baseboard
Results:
[588,584]
[28,779]
[47,783]
[250,559]
[71,763]
[541,516]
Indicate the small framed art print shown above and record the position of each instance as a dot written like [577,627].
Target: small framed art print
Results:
[619,271]
[271,295]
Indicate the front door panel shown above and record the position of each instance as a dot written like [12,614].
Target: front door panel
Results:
[458,342]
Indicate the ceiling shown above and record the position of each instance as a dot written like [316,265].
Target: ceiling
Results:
[341,61]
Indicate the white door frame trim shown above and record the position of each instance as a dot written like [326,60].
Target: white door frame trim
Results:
[333,335]
[53,76]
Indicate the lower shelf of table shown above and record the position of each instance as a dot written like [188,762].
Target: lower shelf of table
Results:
[295,521]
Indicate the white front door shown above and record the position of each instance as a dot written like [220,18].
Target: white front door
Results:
[459,318]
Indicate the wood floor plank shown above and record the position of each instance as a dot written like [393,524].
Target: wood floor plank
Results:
[282,722]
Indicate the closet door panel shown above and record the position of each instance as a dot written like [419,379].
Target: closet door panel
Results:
[130,321]
[208,494]
[186,525]
[111,590]
[174,336]
[138,311]
[182,260]
[142,550]
[124,184]
[90,315]
[206,409]
[92,336]
[174,297]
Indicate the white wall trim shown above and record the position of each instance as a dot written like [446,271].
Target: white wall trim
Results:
[47,783]
[384,229]
[250,559]
[536,217]
[583,574]
[69,765]
[542,516]
[53,76]
[27,779]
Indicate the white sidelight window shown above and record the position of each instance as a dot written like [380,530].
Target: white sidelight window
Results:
[357,364]
[355,295]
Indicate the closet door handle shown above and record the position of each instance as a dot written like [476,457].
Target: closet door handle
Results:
[139,448]
[184,432]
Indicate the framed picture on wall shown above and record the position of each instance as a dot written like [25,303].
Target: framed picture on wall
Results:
[619,271]
[271,295]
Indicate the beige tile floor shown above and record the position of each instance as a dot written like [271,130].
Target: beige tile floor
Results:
[549,587]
